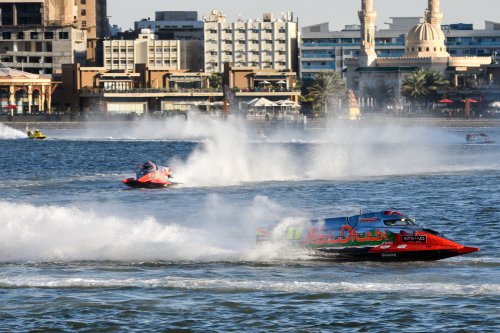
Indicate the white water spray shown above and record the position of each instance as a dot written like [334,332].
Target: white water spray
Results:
[53,233]
[7,132]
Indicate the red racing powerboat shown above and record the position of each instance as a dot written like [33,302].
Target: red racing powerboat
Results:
[382,236]
[150,175]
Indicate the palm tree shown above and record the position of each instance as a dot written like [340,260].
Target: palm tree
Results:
[215,81]
[423,85]
[327,85]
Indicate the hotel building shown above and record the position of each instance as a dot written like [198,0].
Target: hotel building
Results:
[267,44]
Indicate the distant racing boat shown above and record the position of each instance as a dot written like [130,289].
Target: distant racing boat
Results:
[478,138]
[150,175]
[35,135]
[382,236]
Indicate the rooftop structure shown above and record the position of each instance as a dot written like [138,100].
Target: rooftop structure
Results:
[174,25]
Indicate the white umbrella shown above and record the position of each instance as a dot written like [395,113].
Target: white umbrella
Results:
[262,102]
[287,102]
[281,82]
[495,104]
[252,102]
[264,82]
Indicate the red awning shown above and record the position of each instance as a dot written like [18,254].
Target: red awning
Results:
[445,100]
[11,106]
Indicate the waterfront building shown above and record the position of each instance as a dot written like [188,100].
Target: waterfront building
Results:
[23,92]
[249,83]
[266,44]
[116,92]
[147,49]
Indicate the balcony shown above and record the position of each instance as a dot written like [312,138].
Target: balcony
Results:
[318,56]
[149,92]
[254,92]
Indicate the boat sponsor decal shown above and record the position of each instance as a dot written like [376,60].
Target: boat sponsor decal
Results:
[368,219]
[389,254]
[414,239]
[347,236]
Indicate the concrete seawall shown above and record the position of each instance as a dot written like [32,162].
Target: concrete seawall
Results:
[34,122]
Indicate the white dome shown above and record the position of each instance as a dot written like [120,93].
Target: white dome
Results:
[426,40]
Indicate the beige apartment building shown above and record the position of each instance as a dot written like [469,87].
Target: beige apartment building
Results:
[92,17]
[39,36]
[156,54]
[267,44]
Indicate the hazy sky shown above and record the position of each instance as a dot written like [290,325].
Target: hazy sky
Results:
[337,12]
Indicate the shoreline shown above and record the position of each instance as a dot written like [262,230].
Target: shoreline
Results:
[310,124]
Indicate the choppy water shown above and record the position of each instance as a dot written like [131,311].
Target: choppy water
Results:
[79,251]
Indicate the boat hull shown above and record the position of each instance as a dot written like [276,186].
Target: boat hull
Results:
[364,254]
[134,183]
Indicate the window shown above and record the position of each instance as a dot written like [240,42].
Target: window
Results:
[48,35]
[83,12]
[83,2]
[34,35]
[6,35]
[63,35]
[20,35]
[48,46]
[84,24]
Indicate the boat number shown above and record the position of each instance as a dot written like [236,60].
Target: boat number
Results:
[415,239]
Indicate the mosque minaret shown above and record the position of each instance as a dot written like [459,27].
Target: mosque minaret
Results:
[434,15]
[367,16]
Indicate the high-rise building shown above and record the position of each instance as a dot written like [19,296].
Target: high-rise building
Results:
[270,43]
[38,36]
[92,17]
